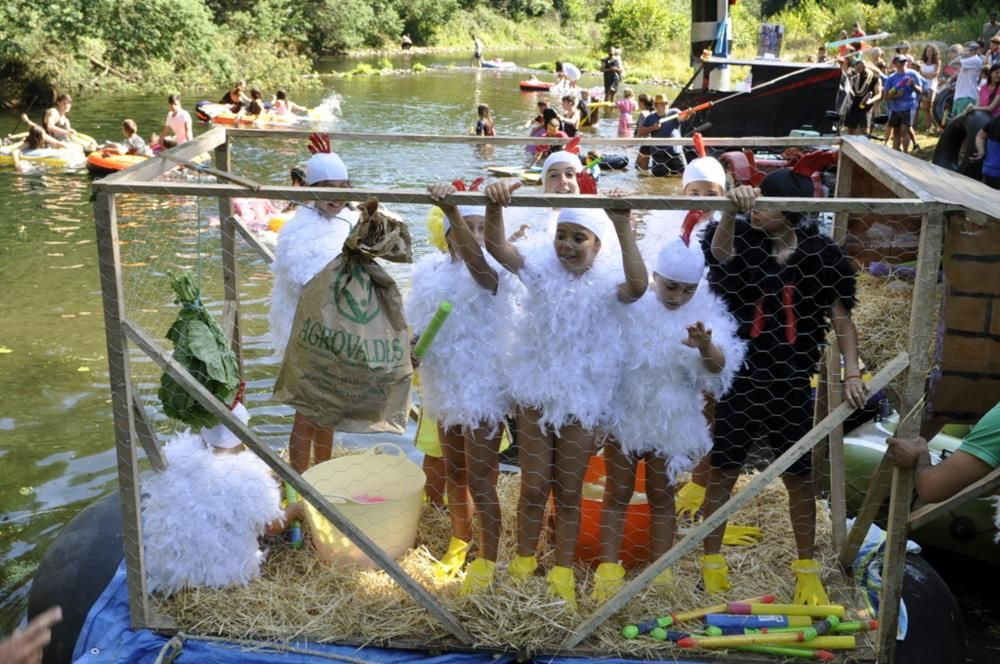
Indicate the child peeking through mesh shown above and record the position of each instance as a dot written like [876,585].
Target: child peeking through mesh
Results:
[202,516]
[786,285]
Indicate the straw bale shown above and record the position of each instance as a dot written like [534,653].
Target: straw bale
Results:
[882,317]
[297,598]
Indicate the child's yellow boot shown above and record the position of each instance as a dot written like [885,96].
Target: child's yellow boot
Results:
[478,576]
[563,585]
[608,579]
[808,587]
[452,561]
[714,574]
[522,568]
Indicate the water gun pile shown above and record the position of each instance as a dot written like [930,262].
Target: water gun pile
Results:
[758,625]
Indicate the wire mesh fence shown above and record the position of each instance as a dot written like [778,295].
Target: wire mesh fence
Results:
[578,350]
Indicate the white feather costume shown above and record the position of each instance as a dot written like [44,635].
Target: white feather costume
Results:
[658,404]
[306,244]
[569,345]
[462,375]
[202,516]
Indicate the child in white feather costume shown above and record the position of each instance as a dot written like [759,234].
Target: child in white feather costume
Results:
[202,515]
[307,243]
[564,368]
[463,381]
[682,341]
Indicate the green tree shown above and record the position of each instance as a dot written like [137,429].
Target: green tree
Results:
[640,26]
[422,17]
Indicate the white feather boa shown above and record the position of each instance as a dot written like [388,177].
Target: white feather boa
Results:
[202,516]
[306,244]
[658,404]
[569,344]
[462,375]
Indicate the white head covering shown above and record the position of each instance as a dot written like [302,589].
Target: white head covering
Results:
[704,169]
[560,157]
[324,166]
[465,211]
[681,263]
[595,221]
[220,436]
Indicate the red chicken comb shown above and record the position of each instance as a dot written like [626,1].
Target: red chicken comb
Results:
[699,144]
[472,186]
[574,144]
[587,182]
[319,143]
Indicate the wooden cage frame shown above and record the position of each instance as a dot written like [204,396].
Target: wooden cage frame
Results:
[131,425]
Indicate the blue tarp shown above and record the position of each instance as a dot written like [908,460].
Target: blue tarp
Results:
[106,637]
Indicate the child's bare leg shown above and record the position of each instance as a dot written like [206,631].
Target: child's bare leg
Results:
[574,446]
[300,442]
[802,510]
[434,469]
[702,473]
[618,490]
[482,460]
[720,488]
[322,444]
[536,454]
[456,482]
[660,493]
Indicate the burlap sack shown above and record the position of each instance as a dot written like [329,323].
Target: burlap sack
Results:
[347,364]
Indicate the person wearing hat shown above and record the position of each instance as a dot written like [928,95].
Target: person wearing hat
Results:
[202,516]
[967,82]
[990,28]
[658,124]
[307,243]
[463,380]
[993,54]
[902,90]
[866,91]
[683,342]
[787,285]
[567,352]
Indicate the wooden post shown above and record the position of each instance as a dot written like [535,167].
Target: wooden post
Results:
[109,259]
[838,478]
[921,315]
[285,472]
[230,277]
[735,502]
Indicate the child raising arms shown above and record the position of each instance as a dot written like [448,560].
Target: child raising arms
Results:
[786,285]
[568,350]
[684,342]
[463,380]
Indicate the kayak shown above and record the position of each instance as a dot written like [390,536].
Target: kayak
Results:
[105,162]
[69,158]
[527,175]
[535,85]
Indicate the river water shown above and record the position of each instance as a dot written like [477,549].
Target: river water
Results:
[56,436]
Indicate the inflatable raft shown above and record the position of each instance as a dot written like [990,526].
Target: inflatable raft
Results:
[221,114]
[535,85]
[498,64]
[68,158]
[105,162]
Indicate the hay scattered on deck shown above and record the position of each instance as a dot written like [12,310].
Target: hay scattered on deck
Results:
[297,598]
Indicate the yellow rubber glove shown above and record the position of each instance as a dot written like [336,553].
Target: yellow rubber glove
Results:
[452,561]
[563,585]
[740,535]
[608,579]
[478,576]
[808,588]
[714,574]
[522,568]
[664,578]
[688,500]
